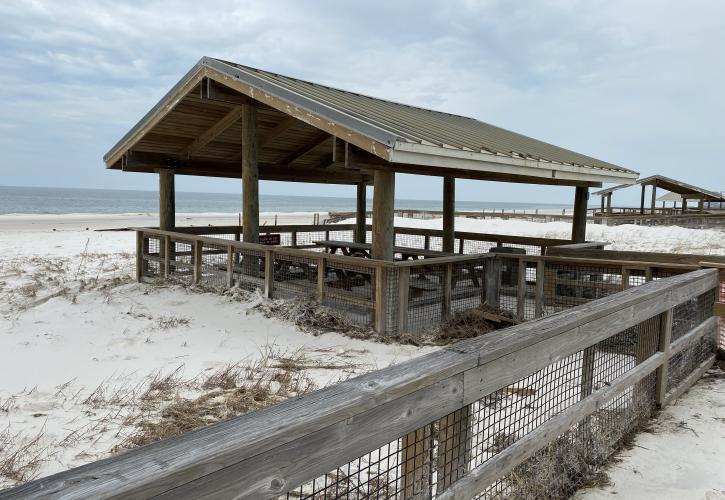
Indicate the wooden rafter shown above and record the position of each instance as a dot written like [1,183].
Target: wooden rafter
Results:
[301,151]
[233,116]
[282,127]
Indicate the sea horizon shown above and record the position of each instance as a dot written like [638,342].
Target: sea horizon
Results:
[19,200]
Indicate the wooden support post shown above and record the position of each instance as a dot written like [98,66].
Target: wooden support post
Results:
[383,215]
[461,245]
[321,274]
[415,460]
[647,345]
[587,377]
[381,298]
[403,299]
[653,201]
[268,273]
[446,284]
[198,250]
[449,213]
[625,278]
[540,266]
[602,203]
[167,200]
[641,201]
[250,175]
[426,242]
[521,291]
[609,204]
[579,221]
[454,451]
[231,254]
[140,253]
[361,213]
[493,281]
[167,258]
[664,347]
[294,239]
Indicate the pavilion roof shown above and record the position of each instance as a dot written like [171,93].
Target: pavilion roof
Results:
[312,132]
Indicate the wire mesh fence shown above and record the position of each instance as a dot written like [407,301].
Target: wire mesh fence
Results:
[426,462]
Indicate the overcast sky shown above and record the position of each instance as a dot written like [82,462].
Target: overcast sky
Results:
[638,84]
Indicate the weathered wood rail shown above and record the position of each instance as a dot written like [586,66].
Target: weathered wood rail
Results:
[268,453]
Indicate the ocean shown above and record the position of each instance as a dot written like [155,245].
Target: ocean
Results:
[43,200]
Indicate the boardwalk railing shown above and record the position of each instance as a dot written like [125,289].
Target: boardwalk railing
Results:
[507,413]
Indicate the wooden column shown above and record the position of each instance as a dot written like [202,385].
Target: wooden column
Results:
[654,198]
[449,212]
[579,222]
[167,200]
[641,202]
[609,204]
[602,202]
[383,215]
[361,213]
[250,175]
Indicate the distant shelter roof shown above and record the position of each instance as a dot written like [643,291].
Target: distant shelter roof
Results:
[682,189]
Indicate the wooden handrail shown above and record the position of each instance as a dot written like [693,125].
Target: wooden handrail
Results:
[258,455]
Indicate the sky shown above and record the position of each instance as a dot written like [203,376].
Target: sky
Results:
[638,84]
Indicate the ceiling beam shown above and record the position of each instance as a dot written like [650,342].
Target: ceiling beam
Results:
[213,91]
[282,127]
[303,150]
[233,116]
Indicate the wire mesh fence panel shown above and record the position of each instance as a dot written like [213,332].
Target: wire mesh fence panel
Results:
[425,296]
[350,289]
[248,269]
[426,462]
[213,268]
[295,276]
[181,261]
[568,285]
[467,284]
[151,264]
[391,297]
[721,300]
[689,314]
[410,240]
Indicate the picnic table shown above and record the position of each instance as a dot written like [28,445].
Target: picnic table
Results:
[352,249]
[362,250]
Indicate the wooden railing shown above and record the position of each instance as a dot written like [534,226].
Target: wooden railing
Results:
[341,432]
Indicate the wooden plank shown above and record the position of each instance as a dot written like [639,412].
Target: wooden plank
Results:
[665,347]
[690,380]
[282,127]
[504,462]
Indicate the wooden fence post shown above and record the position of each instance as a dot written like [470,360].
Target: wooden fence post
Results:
[230,266]
[268,273]
[140,261]
[198,250]
[447,281]
[493,281]
[381,298]
[587,376]
[540,278]
[454,451]
[403,299]
[521,291]
[167,256]
[321,274]
[665,347]
[415,461]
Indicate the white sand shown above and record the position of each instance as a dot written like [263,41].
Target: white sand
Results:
[114,332]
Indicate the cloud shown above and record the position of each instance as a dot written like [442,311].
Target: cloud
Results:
[633,83]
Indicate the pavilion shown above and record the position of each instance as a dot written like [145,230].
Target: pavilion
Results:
[681,191]
[227,120]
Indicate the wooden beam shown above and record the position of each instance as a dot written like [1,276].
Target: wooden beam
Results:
[234,115]
[361,213]
[579,223]
[306,148]
[250,176]
[277,131]
[214,91]
[641,202]
[383,215]
[449,212]
[167,200]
